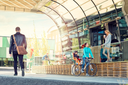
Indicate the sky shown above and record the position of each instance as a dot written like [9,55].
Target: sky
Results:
[26,21]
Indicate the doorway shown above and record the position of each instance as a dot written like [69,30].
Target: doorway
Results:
[97,33]
[97,36]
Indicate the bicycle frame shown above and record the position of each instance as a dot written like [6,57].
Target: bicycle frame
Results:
[87,65]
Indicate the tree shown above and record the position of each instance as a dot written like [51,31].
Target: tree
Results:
[30,43]
[75,44]
[44,44]
[6,62]
[40,46]
[36,45]
[33,43]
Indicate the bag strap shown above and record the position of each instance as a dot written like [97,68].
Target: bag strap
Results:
[16,44]
[14,40]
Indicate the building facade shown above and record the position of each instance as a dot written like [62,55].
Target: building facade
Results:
[54,34]
[90,30]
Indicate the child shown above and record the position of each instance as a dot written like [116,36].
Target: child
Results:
[76,57]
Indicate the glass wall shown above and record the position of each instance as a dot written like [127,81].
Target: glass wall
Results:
[123,29]
[94,35]
[84,37]
[111,19]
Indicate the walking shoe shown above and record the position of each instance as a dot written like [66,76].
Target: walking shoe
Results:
[87,74]
[107,61]
[23,72]
[110,60]
[15,74]
[82,70]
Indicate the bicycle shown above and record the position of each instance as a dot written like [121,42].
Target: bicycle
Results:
[76,69]
[45,60]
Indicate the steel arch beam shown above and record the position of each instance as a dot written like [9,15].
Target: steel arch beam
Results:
[55,23]
[67,10]
[52,19]
[115,7]
[61,18]
[83,12]
[59,15]
[58,5]
[97,10]
[71,16]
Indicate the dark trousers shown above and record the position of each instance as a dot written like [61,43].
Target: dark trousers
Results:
[84,64]
[15,54]
[103,59]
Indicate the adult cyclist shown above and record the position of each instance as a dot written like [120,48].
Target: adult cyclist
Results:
[86,51]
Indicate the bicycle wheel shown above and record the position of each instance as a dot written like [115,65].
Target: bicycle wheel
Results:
[76,70]
[92,69]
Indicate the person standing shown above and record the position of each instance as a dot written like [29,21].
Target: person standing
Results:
[45,57]
[107,45]
[86,51]
[102,56]
[21,41]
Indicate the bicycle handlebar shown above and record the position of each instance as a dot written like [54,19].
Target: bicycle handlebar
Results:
[90,58]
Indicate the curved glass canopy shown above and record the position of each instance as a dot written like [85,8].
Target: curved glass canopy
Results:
[73,11]
[70,16]
[70,10]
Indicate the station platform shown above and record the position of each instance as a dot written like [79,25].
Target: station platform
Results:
[7,78]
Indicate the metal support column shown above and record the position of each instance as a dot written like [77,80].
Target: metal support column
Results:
[117,22]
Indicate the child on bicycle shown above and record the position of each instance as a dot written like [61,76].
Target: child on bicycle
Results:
[76,57]
[86,51]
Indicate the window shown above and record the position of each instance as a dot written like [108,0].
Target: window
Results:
[123,29]
[85,37]
[97,36]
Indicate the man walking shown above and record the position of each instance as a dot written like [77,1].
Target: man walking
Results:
[21,41]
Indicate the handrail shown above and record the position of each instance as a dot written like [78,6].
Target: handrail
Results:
[97,46]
